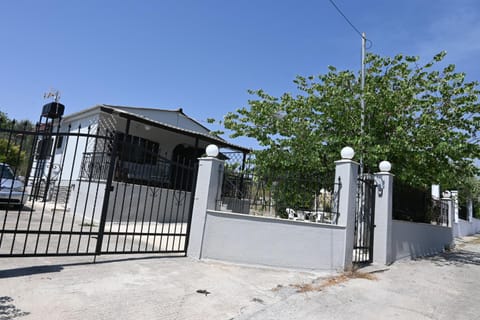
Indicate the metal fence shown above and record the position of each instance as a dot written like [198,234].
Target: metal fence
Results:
[417,205]
[297,197]
[364,220]
[463,212]
[73,200]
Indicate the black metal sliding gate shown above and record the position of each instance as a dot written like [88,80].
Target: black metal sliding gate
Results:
[364,220]
[88,191]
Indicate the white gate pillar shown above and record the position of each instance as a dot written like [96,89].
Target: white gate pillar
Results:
[382,240]
[346,171]
[207,192]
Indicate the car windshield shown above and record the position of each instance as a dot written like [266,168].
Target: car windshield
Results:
[6,172]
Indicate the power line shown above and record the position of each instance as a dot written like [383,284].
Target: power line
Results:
[350,23]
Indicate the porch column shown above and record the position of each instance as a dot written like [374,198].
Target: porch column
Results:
[346,170]
[450,210]
[469,210]
[208,187]
[455,205]
[382,240]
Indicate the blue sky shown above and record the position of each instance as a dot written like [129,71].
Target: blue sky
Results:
[203,56]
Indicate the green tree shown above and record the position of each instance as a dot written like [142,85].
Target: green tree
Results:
[15,145]
[422,118]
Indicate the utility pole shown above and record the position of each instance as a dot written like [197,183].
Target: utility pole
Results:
[362,102]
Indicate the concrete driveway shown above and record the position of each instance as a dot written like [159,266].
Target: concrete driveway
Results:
[133,287]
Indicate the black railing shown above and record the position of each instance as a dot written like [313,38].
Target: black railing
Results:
[364,220]
[313,198]
[86,196]
[417,205]
[463,212]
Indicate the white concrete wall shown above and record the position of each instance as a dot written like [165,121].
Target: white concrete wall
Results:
[86,199]
[70,155]
[465,228]
[412,240]
[273,242]
[154,204]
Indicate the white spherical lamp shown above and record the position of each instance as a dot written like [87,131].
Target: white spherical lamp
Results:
[385,166]
[211,150]
[347,153]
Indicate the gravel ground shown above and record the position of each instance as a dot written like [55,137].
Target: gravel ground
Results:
[445,286]
[125,287]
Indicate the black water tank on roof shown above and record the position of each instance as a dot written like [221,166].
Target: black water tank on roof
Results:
[53,110]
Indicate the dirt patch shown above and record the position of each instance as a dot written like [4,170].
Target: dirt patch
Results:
[475,241]
[472,240]
[332,281]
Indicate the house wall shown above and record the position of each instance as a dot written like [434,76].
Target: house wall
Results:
[466,228]
[67,157]
[412,240]
[70,155]
[273,242]
[130,202]
[86,199]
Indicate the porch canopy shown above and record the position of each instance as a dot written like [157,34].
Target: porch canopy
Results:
[130,113]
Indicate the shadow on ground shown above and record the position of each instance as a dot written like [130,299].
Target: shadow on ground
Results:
[27,271]
[8,309]
[457,257]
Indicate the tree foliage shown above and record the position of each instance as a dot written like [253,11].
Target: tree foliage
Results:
[424,119]
[14,145]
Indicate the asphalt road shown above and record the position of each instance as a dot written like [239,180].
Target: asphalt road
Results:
[132,287]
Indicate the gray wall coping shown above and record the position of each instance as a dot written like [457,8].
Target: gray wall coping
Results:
[422,223]
[274,220]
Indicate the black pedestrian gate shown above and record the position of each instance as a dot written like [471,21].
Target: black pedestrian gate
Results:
[88,191]
[364,220]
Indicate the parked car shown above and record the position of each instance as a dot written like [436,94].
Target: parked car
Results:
[12,190]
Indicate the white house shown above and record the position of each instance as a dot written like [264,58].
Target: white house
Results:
[146,147]
[171,134]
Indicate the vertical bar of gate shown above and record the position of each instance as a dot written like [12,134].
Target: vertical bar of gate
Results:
[157,220]
[75,206]
[66,137]
[96,174]
[190,209]
[23,191]
[143,174]
[184,207]
[106,198]
[49,182]
[49,138]
[89,184]
[371,222]
[181,192]
[357,213]
[175,186]
[1,174]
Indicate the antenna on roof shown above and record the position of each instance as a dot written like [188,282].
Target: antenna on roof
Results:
[53,93]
